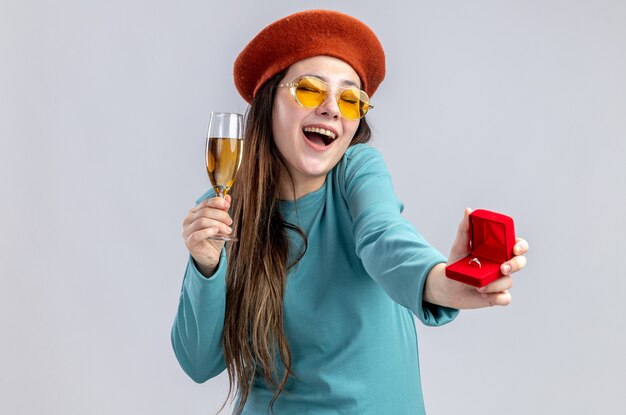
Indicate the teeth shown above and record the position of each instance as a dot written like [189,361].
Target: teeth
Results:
[320,131]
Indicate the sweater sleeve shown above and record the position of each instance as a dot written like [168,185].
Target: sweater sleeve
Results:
[393,253]
[197,331]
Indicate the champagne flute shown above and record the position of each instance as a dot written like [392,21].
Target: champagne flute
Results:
[224,145]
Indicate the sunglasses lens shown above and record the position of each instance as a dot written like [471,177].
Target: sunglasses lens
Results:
[353,103]
[310,92]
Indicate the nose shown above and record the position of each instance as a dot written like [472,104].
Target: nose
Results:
[329,108]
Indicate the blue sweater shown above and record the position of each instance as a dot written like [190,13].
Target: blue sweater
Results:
[349,302]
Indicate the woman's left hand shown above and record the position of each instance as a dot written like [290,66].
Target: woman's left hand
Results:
[446,292]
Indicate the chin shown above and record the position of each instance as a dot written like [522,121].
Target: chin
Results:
[317,168]
[315,172]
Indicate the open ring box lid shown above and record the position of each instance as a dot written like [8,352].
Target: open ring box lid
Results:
[492,237]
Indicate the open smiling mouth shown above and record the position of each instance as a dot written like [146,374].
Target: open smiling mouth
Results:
[319,136]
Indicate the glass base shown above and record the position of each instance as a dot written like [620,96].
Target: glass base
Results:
[223,238]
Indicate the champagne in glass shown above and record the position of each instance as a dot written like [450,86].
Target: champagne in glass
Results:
[223,160]
[224,145]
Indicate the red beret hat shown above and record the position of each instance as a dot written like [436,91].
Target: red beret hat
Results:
[306,34]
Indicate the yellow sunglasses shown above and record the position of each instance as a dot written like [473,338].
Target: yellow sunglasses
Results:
[311,92]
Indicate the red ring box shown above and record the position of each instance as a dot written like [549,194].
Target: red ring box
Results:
[492,237]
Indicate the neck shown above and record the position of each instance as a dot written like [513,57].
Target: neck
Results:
[293,187]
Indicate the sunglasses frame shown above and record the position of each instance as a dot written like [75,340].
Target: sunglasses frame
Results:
[293,85]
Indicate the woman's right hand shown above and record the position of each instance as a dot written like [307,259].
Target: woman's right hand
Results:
[208,218]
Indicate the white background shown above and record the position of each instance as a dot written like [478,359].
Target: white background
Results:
[515,106]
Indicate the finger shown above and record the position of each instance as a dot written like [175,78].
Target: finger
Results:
[521,246]
[211,213]
[200,205]
[205,223]
[513,265]
[461,245]
[214,202]
[502,298]
[199,244]
[208,212]
[501,284]
[201,236]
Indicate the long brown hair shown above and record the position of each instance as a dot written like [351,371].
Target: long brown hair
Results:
[254,336]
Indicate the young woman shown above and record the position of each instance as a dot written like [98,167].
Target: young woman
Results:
[311,312]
